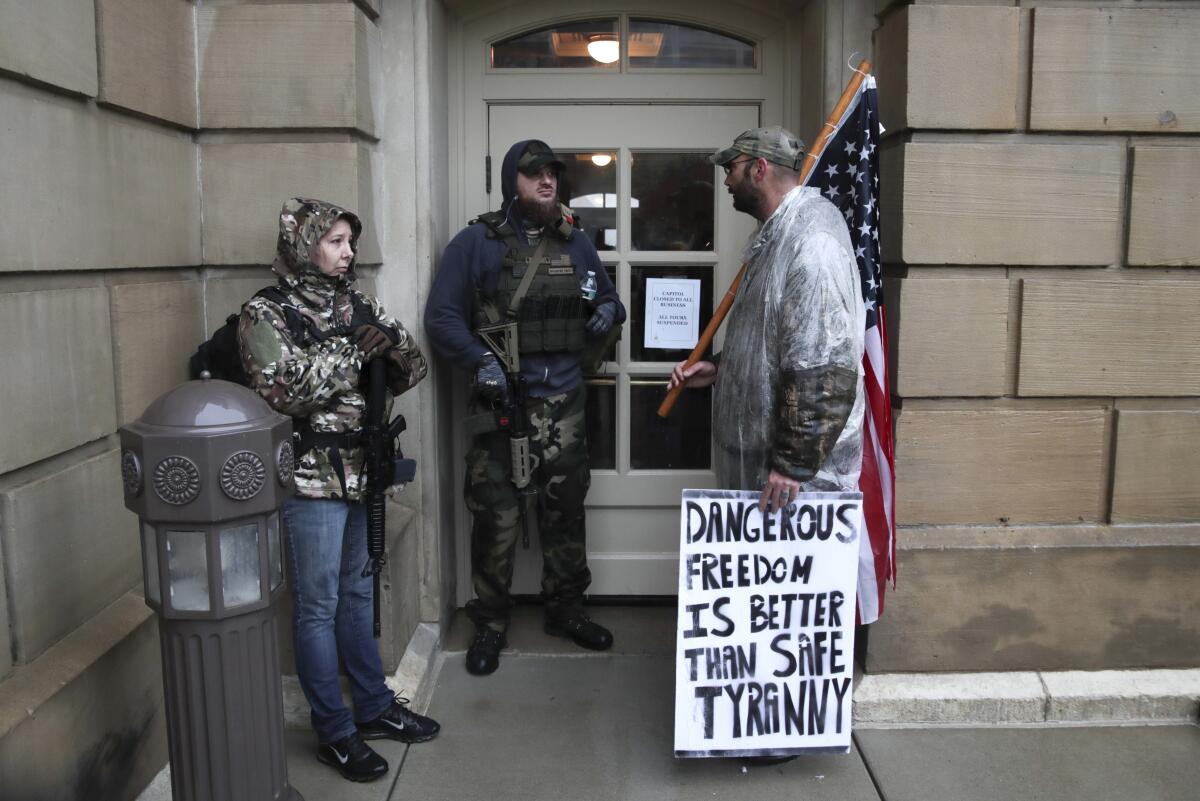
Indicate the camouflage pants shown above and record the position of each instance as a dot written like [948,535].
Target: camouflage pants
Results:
[558,450]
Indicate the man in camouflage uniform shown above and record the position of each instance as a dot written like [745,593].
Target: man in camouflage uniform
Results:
[530,242]
[312,373]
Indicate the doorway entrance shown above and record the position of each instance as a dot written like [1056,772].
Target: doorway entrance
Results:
[638,177]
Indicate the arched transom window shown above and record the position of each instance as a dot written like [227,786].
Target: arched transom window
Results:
[624,43]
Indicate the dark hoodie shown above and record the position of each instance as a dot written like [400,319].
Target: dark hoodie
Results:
[318,384]
[473,261]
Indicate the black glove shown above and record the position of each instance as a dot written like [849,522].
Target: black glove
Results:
[602,319]
[373,339]
[490,382]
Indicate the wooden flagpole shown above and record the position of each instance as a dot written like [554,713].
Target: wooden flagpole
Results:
[810,161]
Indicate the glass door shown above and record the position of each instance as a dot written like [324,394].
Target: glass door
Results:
[665,228]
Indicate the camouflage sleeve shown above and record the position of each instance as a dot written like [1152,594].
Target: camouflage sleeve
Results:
[294,381]
[406,363]
[812,409]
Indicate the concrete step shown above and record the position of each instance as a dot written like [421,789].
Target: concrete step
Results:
[85,719]
[906,699]
[1019,698]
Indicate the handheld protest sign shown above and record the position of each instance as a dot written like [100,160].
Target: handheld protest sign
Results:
[765,635]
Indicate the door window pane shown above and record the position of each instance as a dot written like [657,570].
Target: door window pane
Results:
[587,44]
[638,351]
[673,206]
[589,187]
[601,423]
[653,43]
[610,353]
[680,442]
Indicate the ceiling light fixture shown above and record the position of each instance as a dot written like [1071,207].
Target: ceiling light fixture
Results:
[604,48]
[601,159]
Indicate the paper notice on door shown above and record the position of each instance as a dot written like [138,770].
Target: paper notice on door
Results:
[672,313]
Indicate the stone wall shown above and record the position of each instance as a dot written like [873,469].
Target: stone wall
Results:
[1041,164]
[147,147]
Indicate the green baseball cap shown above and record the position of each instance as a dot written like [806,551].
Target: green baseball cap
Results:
[537,155]
[775,144]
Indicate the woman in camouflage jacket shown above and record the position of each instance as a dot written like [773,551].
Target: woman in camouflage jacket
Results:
[316,382]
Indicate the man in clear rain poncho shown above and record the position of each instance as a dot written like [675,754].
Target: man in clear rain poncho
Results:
[788,402]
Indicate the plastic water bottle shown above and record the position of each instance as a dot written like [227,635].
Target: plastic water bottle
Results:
[588,288]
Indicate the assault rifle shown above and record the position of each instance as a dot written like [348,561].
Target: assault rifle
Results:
[385,467]
[513,416]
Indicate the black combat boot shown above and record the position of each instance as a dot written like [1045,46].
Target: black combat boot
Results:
[353,758]
[580,629]
[400,723]
[483,657]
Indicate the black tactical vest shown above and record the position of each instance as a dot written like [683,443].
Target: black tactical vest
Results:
[551,316]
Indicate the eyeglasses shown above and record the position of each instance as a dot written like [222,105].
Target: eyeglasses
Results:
[728,168]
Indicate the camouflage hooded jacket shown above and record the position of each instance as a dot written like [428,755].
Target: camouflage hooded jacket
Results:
[317,384]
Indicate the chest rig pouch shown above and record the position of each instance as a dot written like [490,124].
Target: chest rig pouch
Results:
[538,290]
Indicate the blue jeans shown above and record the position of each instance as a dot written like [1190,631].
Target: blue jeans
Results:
[327,543]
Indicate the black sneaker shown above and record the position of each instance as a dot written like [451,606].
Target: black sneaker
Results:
[400,723]
[581,630]
[353,758]
[483,657]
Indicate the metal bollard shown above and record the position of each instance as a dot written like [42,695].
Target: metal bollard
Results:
[206,469]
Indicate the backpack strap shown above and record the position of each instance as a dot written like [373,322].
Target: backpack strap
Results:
[303,330]
[298,326]
[497,224]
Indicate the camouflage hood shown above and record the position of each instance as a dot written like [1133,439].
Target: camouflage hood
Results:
[302,223]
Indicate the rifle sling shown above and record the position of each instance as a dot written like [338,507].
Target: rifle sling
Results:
[535,264]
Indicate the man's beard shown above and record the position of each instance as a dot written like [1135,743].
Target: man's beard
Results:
[539,212]
[745,198]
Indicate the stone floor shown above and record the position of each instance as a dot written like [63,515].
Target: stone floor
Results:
[558,723]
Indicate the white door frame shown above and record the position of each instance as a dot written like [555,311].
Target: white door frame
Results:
[473,86]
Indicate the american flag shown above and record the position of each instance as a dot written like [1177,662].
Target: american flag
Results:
[847,173]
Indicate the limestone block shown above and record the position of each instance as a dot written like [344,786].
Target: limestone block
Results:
[1006,203]
[86,720]
[70,549]
[1164,206]
[95,190]
[225,296]
[148,57]
[1045,606]
[1008,465]
[59,363]
[156,327]
[299,65]
[891,70]
[244,186]
[948,337]
[53,41]
[1085,337]
[891,199]
[1115,69]
[950,67]
[1156,468]
[5,631]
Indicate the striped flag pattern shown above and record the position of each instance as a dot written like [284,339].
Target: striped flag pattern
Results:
[848,174]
